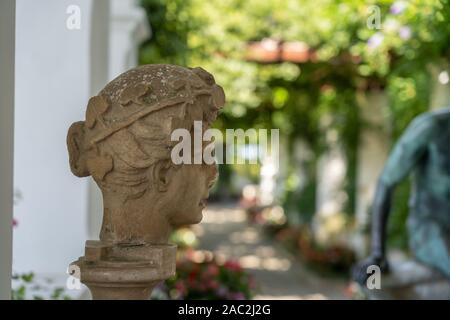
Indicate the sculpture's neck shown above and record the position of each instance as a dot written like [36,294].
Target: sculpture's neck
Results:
[133,224]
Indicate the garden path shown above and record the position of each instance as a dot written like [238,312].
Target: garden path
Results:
[225,231]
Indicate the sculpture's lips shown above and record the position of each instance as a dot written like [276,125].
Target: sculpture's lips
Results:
[203,202]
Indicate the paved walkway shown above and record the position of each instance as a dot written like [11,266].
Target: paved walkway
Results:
[225,231]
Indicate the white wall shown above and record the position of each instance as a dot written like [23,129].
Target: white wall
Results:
[57,71]
[52,90]
[7,30]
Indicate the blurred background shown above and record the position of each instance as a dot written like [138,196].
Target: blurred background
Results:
[339,79]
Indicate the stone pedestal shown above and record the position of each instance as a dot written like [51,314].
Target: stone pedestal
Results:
[125,271]
[411,280]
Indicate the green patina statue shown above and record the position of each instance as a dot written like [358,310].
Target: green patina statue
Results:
[424,150]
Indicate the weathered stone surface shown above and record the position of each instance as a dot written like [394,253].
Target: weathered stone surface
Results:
[125,145]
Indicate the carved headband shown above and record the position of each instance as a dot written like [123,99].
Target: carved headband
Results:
[98,105]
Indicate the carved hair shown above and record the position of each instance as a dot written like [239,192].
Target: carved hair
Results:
[128,124]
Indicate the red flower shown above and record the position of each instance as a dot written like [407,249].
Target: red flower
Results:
[194,271]
[233,266]
[213,284]
[192,284]
[181,287]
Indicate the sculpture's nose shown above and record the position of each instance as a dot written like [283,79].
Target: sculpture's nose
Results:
[213,175]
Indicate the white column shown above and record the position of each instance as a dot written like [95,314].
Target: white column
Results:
[372,154]
[274,163]
[268,181]
[99,44]
[440,92]
[129,27]
[330,193]
[51,92]
[7,48]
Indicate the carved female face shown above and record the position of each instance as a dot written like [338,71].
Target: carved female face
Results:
[125,144]
[189,192]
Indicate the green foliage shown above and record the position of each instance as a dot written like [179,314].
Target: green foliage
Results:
[351,57]
[26,287]
[214,34]
[299,200]
[169,42]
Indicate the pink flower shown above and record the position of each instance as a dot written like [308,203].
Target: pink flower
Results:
[375,41]
[213,270]
[405,32]
[398,7]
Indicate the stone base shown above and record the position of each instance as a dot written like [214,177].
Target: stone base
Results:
[126,272]
[119,292]
[411,280]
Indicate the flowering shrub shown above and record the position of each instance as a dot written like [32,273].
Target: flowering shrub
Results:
[335,258]
[209,280]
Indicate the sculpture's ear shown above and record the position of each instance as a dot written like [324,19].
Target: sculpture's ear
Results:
[99,166]
[75,145]
[161,175]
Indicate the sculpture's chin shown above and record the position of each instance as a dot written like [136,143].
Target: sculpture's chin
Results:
[198,217]
[194,217]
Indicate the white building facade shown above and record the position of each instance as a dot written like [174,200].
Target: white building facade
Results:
[65,52]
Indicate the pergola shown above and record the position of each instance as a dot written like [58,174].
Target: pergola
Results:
[275,51]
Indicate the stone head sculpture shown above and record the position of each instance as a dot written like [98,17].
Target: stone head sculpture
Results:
[125,144]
